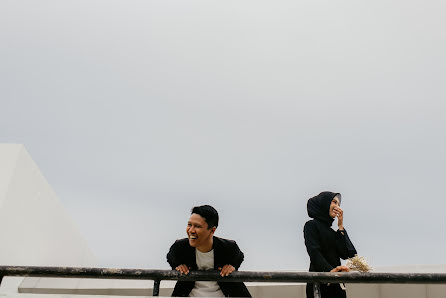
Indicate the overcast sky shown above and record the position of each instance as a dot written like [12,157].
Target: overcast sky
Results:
[135,111]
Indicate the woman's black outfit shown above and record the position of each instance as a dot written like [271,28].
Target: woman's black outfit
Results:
[325,246]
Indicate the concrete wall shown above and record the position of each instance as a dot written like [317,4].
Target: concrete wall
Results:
[145,288]
[258,290]
[395,290]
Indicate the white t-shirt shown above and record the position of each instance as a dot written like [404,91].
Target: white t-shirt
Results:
[205,261]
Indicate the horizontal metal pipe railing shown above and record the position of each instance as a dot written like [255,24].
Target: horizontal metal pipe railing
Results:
[248,276]
[245,276]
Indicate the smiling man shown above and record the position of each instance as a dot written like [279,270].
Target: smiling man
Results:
[201,250]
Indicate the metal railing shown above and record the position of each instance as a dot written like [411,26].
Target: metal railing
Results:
[241,276]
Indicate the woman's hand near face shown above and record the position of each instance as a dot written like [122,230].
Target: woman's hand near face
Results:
[340,215]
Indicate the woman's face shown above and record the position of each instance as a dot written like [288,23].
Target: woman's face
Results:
[334,204]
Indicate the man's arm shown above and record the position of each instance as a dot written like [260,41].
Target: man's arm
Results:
[238,256]
[173,260]
[236,259]
[172,256]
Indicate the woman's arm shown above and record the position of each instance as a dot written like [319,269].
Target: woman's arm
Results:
[344,246]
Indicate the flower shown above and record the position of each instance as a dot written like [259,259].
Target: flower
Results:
[358,263]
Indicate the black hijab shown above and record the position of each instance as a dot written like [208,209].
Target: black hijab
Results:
[318,207]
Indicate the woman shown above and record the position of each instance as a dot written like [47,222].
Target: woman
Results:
[324,245]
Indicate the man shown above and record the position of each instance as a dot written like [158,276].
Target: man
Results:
[201,250]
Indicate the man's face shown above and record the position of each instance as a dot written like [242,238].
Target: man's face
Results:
[198,233]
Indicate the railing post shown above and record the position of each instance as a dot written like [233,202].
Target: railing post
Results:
[317,290]
[156,287]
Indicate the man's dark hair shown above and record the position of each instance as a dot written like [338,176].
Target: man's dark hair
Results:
[209,214]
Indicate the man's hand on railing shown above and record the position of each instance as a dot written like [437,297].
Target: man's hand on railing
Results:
[183,269]
[226,270]
[340,269]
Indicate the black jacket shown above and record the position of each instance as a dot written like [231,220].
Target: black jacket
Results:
[225,252]
[325,246]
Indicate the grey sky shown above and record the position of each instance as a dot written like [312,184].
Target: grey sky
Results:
[135,111]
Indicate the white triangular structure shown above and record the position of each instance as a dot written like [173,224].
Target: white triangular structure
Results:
[35,230]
